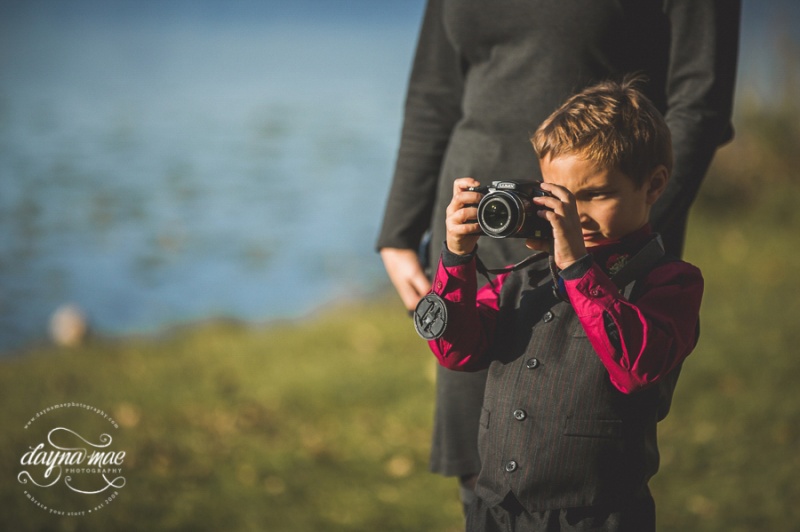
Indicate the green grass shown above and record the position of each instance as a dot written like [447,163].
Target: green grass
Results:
[319,425]
[730,446]
[324,424]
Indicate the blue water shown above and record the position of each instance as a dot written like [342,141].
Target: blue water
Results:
[193,159]
[163,162]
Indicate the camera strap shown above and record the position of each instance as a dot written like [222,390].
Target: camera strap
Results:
[430,316]
[641,262]
[486,272]
[536,257]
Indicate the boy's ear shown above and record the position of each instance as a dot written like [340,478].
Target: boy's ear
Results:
[656,183]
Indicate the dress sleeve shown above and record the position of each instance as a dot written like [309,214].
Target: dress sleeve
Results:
[654,334]
[432,108]
[700,85]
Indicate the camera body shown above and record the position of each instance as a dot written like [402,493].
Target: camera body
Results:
[507,210]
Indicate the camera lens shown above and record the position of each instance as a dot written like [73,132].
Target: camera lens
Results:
[508,211]
[499,214]
[496,216]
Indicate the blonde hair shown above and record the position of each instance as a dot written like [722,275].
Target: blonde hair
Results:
[612,124]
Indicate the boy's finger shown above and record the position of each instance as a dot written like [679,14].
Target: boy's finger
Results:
[561,193]
[537,244]
[466,201]
[469,229]
[551,203]
[464,183]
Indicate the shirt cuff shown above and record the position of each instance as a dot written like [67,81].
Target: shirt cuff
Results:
[455,277]
[451,260]
[577,269]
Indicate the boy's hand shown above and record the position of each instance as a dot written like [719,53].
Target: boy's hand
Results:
[567,245]
[463,230]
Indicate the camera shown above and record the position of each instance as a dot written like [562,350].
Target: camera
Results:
[507,210]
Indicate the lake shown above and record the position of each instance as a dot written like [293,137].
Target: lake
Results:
[165,162]
[173,163]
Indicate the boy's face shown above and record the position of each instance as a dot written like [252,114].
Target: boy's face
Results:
[609,203]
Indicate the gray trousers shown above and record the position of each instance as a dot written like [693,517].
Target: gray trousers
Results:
[510,516]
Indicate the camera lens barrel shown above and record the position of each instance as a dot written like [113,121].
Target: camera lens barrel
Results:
[512,214]
[500,214]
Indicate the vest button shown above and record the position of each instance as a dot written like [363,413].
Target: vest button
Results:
[548,316]
[520,414]
[511,466]
[532,363]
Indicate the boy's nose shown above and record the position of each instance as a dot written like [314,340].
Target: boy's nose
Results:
[588,223]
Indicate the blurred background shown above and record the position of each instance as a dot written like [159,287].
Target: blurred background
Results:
[162,162]
[222,166]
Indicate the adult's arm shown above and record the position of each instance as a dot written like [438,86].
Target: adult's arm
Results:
[432,108]
[700,86]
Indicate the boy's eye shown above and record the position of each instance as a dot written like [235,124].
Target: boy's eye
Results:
[594,194]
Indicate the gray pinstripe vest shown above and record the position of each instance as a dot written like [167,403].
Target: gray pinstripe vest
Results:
[554,430]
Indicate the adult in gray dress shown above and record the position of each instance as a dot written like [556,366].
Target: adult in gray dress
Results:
[485,74]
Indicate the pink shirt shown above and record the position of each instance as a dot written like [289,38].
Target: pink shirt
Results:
[656,333]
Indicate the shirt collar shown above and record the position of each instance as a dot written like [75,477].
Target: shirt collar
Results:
[614,254]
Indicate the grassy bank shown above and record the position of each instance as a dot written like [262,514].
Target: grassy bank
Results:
[324,424]
[729,447]
[321,425]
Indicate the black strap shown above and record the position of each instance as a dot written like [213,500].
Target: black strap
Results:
[536,257]
[430,315]
[644,259]
[483,270]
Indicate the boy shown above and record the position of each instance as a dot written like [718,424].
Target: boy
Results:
[580,369]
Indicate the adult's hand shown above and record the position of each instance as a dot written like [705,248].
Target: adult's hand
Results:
[406,275]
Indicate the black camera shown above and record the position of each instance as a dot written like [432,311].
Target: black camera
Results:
[507,210]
